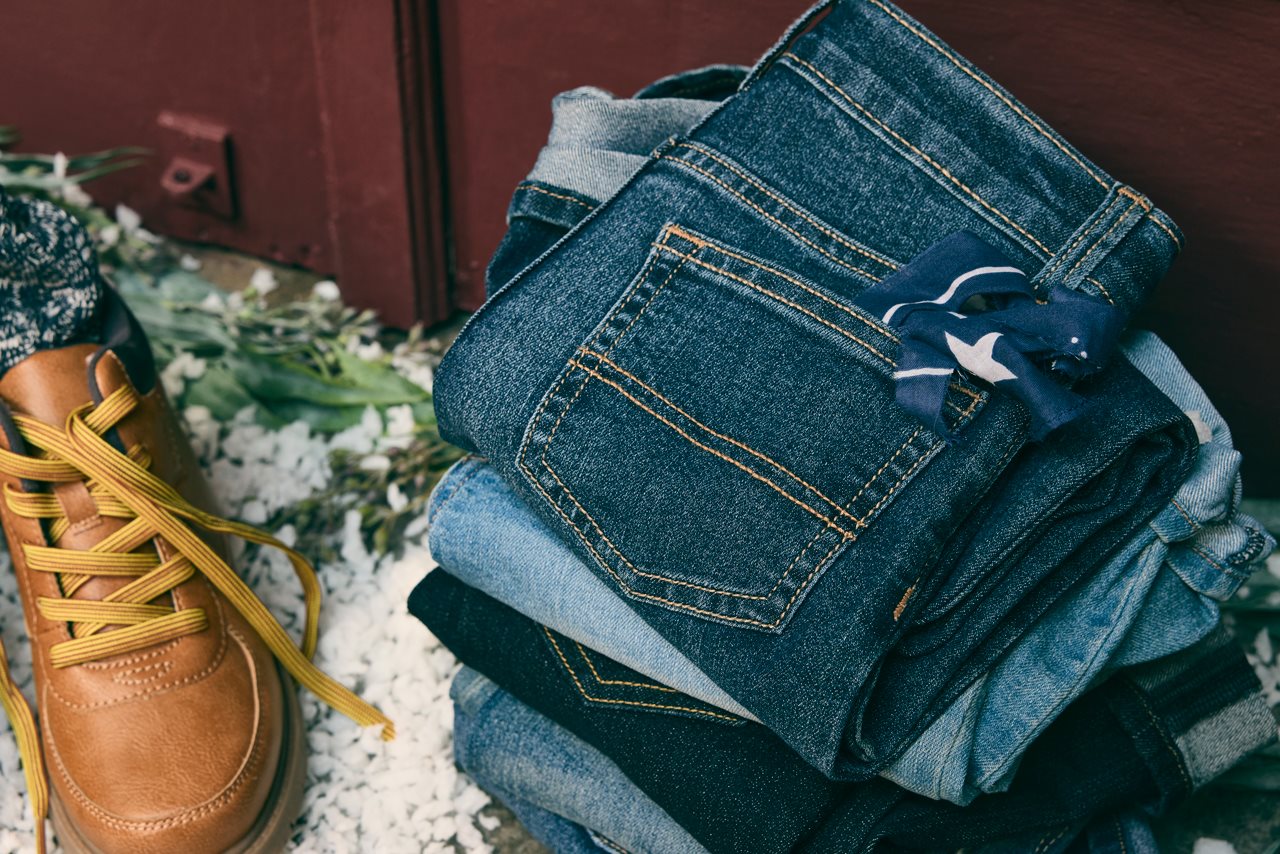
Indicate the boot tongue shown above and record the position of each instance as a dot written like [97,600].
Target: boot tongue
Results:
[48,386]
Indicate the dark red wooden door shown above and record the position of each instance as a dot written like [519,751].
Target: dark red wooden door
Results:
[327,106]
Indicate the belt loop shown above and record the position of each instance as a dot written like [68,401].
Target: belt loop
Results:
[1120,212]
[783,43]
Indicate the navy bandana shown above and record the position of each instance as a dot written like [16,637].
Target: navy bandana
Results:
[961,306]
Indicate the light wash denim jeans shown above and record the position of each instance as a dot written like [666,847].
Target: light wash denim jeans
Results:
[1157,594]
[526,741]
[491,540]
[694,353]
[537,768]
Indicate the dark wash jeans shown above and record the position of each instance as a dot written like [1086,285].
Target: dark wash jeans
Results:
[1135,742]
[685,389]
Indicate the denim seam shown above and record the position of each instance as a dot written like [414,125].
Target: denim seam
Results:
[1047,841]
[605,842]
[1195,526]
[682,605]
[994,91]
[828,523]
[729,439]
[592,373]
[927,158]
[538,189]
[888,360]
[591,665]
[1234,574]
[687,165]
[617,702]
[455,488]
[1018,110]
[778,297]
[1115,822]
[1164,737]
[1096,217]
[849,310]
[789,205]
[1100,241]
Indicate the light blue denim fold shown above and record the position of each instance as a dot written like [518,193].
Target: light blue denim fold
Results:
[598,141]
[559,834]
[571,797]
[484,535]
[1155,595]
[1159,593]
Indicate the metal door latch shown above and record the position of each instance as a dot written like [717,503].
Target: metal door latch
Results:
[197,171]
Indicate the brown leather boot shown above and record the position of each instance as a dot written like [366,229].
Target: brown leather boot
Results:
[166,721]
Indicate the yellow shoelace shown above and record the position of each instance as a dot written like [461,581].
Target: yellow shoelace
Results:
[123,488]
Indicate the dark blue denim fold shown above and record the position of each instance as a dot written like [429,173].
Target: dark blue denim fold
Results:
[685,389]
[1141,741]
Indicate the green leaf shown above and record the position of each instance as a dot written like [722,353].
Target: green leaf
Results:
[274,379]
[321,419]
[219,390]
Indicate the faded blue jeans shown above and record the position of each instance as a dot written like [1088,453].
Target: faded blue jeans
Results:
[537,767]
[693,354]
[1148,600]
[1157,594]
[508,748]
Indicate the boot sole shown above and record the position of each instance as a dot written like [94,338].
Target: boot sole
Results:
[273,829]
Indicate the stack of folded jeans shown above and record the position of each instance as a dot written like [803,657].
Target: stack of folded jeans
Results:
[817,497]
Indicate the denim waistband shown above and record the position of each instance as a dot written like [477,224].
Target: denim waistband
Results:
[1067,218]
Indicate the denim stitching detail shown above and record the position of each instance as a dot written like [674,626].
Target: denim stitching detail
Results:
[1229,571]
[728,459]
[687,165]
[606,843]
[1103,239]
[935,164]
[1084,232]
[994,91]
[1164,737]
[682,605]
[537,189]
[524,465]
[578,683]
[1047,841]
[834,235]
[750,450]
[1167,230]
[974,396]
[840,329]
[883,330]
[1120,836]
[1151,214]
[591,665]
[639,594]
[902,603]
[1185,515]
[462,481]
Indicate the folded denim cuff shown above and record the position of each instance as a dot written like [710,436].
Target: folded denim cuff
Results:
[1194,714]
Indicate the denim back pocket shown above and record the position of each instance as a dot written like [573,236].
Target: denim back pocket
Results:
[726,431]
[604,683]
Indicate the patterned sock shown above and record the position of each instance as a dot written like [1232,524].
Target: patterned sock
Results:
[49,281]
